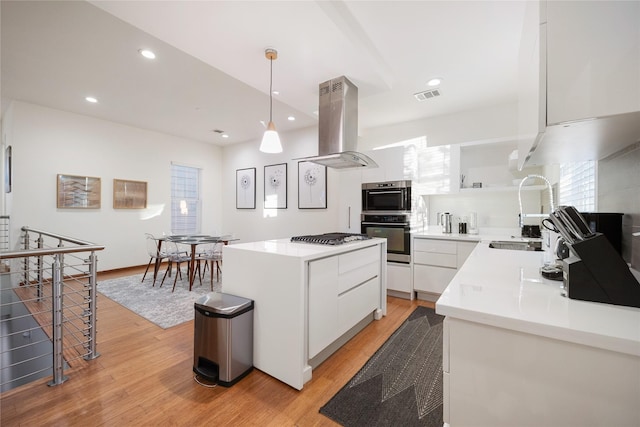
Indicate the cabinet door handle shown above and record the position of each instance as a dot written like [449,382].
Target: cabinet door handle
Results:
[349,219]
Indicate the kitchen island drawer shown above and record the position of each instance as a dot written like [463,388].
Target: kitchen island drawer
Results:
[357,303]
[357,276]
[356,259]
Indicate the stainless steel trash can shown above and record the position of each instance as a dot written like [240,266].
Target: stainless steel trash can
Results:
[223,338]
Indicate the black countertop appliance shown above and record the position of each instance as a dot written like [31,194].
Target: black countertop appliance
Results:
[594,271]
[607,223]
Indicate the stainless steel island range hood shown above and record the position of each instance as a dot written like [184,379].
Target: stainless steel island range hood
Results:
[338,127]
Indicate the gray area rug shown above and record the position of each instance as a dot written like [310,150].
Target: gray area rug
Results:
[157,304]
[401,384]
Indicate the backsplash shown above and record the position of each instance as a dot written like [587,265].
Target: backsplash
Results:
[619,191]
[497,209]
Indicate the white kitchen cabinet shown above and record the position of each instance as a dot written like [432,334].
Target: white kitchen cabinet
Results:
[437,170]
[435,262]
[343,289]
[390,165]
[349,200]
[593,59]
[532,77]
[578,62]
[399,280]
[500,377]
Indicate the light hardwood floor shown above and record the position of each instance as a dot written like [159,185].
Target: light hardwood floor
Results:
[144,377]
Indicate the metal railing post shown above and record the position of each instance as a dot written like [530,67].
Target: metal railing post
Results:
[93,307]
[56,300]
[25,268]
[40,266]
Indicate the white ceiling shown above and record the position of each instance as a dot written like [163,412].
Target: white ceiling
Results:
[211,72]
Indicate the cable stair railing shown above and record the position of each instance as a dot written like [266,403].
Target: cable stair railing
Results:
[48,309]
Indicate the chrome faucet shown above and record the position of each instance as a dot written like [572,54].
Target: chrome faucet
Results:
[522,214]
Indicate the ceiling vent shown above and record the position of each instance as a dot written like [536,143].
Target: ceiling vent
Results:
[427,94]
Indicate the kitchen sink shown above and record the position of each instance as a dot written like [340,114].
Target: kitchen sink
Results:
[516,245]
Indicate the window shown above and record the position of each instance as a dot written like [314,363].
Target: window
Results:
[185,199]
[577,185]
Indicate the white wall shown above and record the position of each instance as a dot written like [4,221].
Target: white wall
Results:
[484,124]
[47,142]
[619,191]
[495,209]
[262,224]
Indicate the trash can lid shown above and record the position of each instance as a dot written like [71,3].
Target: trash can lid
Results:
[218,302]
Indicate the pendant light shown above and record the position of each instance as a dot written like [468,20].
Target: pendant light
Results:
[271,140]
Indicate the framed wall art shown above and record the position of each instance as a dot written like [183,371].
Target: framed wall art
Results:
[78,192]
[246,188]
[129,194]
[275,186]
[312,186]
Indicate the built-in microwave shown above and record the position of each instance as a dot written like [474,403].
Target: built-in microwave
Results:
[389,196]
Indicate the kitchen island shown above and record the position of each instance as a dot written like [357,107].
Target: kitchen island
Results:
[309,299]
[517,352]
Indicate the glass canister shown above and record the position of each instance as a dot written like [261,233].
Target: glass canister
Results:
[472,225]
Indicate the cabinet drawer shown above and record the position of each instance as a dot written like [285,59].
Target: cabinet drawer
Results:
[354,277]
[434,245]
[353,260]
[427,278]
[431,258]
[399,277]
[354,305]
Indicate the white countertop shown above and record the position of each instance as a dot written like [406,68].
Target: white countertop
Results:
[488,234]
[503,288]
[304,251]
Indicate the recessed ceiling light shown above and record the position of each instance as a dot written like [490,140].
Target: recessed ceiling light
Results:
[275,92]
[291,118]
[224,135]
[434,82]
[91,99]
[147,53]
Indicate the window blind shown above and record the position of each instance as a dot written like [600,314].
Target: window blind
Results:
[185,199]
[577,185]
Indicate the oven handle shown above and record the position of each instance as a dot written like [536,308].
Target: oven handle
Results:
[401,224]
[385,192]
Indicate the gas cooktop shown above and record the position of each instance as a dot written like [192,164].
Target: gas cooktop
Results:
[330,238]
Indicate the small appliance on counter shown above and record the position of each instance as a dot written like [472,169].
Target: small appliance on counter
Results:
[473,223]
[594,271]
[607,223]
[444,220]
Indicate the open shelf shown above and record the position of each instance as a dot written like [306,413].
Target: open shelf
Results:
[498,188]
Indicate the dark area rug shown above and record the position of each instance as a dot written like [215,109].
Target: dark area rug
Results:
[401,384]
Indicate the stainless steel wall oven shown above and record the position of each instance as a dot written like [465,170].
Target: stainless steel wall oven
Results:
[390,196]
[396,228]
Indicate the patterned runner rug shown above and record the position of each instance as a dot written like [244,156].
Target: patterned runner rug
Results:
[157,304]
[401,385]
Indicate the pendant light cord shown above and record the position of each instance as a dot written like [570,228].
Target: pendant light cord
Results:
[271,89]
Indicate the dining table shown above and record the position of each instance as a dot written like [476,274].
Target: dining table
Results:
[193,240]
